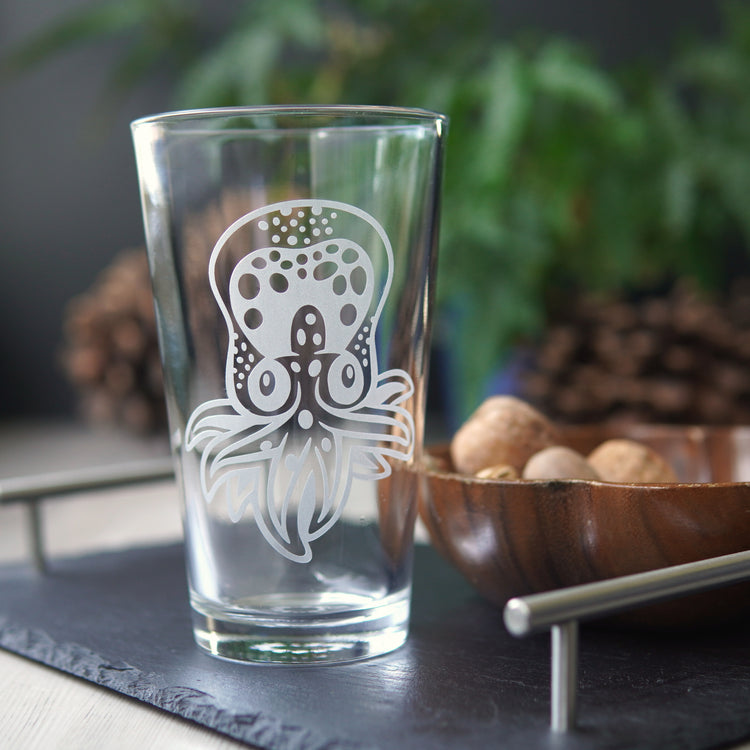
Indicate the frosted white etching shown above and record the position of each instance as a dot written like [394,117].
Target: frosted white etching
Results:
[307,410]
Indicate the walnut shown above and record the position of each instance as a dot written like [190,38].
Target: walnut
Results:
[558,462]
[621,460]
[503,430]
[499,471]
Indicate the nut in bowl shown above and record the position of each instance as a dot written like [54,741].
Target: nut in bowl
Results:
[510,537]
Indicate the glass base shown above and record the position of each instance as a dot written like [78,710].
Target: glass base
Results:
[301,630]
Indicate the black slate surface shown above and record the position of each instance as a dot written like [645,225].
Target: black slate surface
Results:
[121,620]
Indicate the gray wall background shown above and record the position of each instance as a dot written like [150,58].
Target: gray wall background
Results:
[68,194]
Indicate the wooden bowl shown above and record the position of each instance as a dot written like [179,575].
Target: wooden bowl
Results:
[511,538]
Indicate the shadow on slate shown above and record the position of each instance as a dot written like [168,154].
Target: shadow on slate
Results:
[121,620]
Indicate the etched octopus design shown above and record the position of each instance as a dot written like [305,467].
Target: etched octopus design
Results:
[307,411]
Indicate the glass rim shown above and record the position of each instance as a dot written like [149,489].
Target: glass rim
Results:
[369,113]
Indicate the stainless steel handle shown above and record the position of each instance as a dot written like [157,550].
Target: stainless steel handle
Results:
[55,484]
[560,611]
[32,489]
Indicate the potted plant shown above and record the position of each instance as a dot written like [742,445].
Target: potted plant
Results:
[561,176]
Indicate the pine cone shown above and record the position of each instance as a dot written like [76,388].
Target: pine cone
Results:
[111,349]
[678,358]
[111,352]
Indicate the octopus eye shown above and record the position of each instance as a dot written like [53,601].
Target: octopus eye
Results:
[269,386]
[346,380]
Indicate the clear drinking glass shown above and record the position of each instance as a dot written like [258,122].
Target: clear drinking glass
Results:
[292,253]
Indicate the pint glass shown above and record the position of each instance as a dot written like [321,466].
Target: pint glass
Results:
[292,253]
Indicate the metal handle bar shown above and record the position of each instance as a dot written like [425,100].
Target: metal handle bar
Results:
[560,611]
[32,489]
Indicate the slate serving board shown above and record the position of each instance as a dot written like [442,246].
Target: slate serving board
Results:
[121,620]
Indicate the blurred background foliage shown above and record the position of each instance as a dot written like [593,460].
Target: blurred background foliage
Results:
[562,176]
